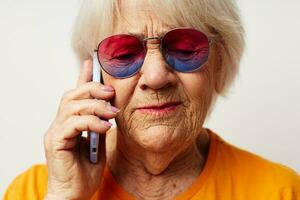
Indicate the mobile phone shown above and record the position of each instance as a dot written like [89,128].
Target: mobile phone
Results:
[94,137]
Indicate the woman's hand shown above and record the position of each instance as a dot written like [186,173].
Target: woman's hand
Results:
[71,174]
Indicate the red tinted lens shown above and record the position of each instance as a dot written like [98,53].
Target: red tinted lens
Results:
[185,49]
[121,55]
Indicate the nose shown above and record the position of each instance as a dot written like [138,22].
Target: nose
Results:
[155,73]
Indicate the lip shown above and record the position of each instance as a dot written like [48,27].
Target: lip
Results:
[159,109]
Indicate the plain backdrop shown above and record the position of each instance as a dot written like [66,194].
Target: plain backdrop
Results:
[261,113]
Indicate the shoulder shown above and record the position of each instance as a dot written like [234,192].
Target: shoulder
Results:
[249,168]
[30,184]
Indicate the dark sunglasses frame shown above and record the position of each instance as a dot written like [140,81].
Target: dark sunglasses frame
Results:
[144,40]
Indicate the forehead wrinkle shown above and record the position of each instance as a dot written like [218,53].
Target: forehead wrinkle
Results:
[151,28]
[147,25]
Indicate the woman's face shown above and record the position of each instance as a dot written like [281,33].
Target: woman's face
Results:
[156,83]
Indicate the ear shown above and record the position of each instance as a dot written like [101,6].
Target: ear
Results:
[218,71]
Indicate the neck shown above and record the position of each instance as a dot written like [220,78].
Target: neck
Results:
[143,173]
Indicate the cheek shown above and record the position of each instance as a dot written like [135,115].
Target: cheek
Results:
[196,85]
[199,90]
[123,94]
[124,89]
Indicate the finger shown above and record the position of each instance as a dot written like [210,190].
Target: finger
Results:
[95,107]
[89,90]
[86,73]
[74,125]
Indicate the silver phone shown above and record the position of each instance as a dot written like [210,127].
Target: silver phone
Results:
[94,137]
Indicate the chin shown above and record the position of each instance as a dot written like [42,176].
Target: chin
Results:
[158,138]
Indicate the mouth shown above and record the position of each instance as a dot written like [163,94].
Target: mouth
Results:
[160,109]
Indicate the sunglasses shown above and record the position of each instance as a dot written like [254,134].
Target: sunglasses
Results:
[183,49]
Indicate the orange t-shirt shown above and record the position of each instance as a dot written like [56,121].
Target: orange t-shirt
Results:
[229,173]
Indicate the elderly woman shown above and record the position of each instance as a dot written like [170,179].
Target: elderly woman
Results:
[164,64]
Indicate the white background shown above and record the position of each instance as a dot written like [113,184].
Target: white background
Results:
[37,65]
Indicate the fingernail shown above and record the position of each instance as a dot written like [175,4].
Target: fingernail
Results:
[114,109]
[108,88]
[106,123]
